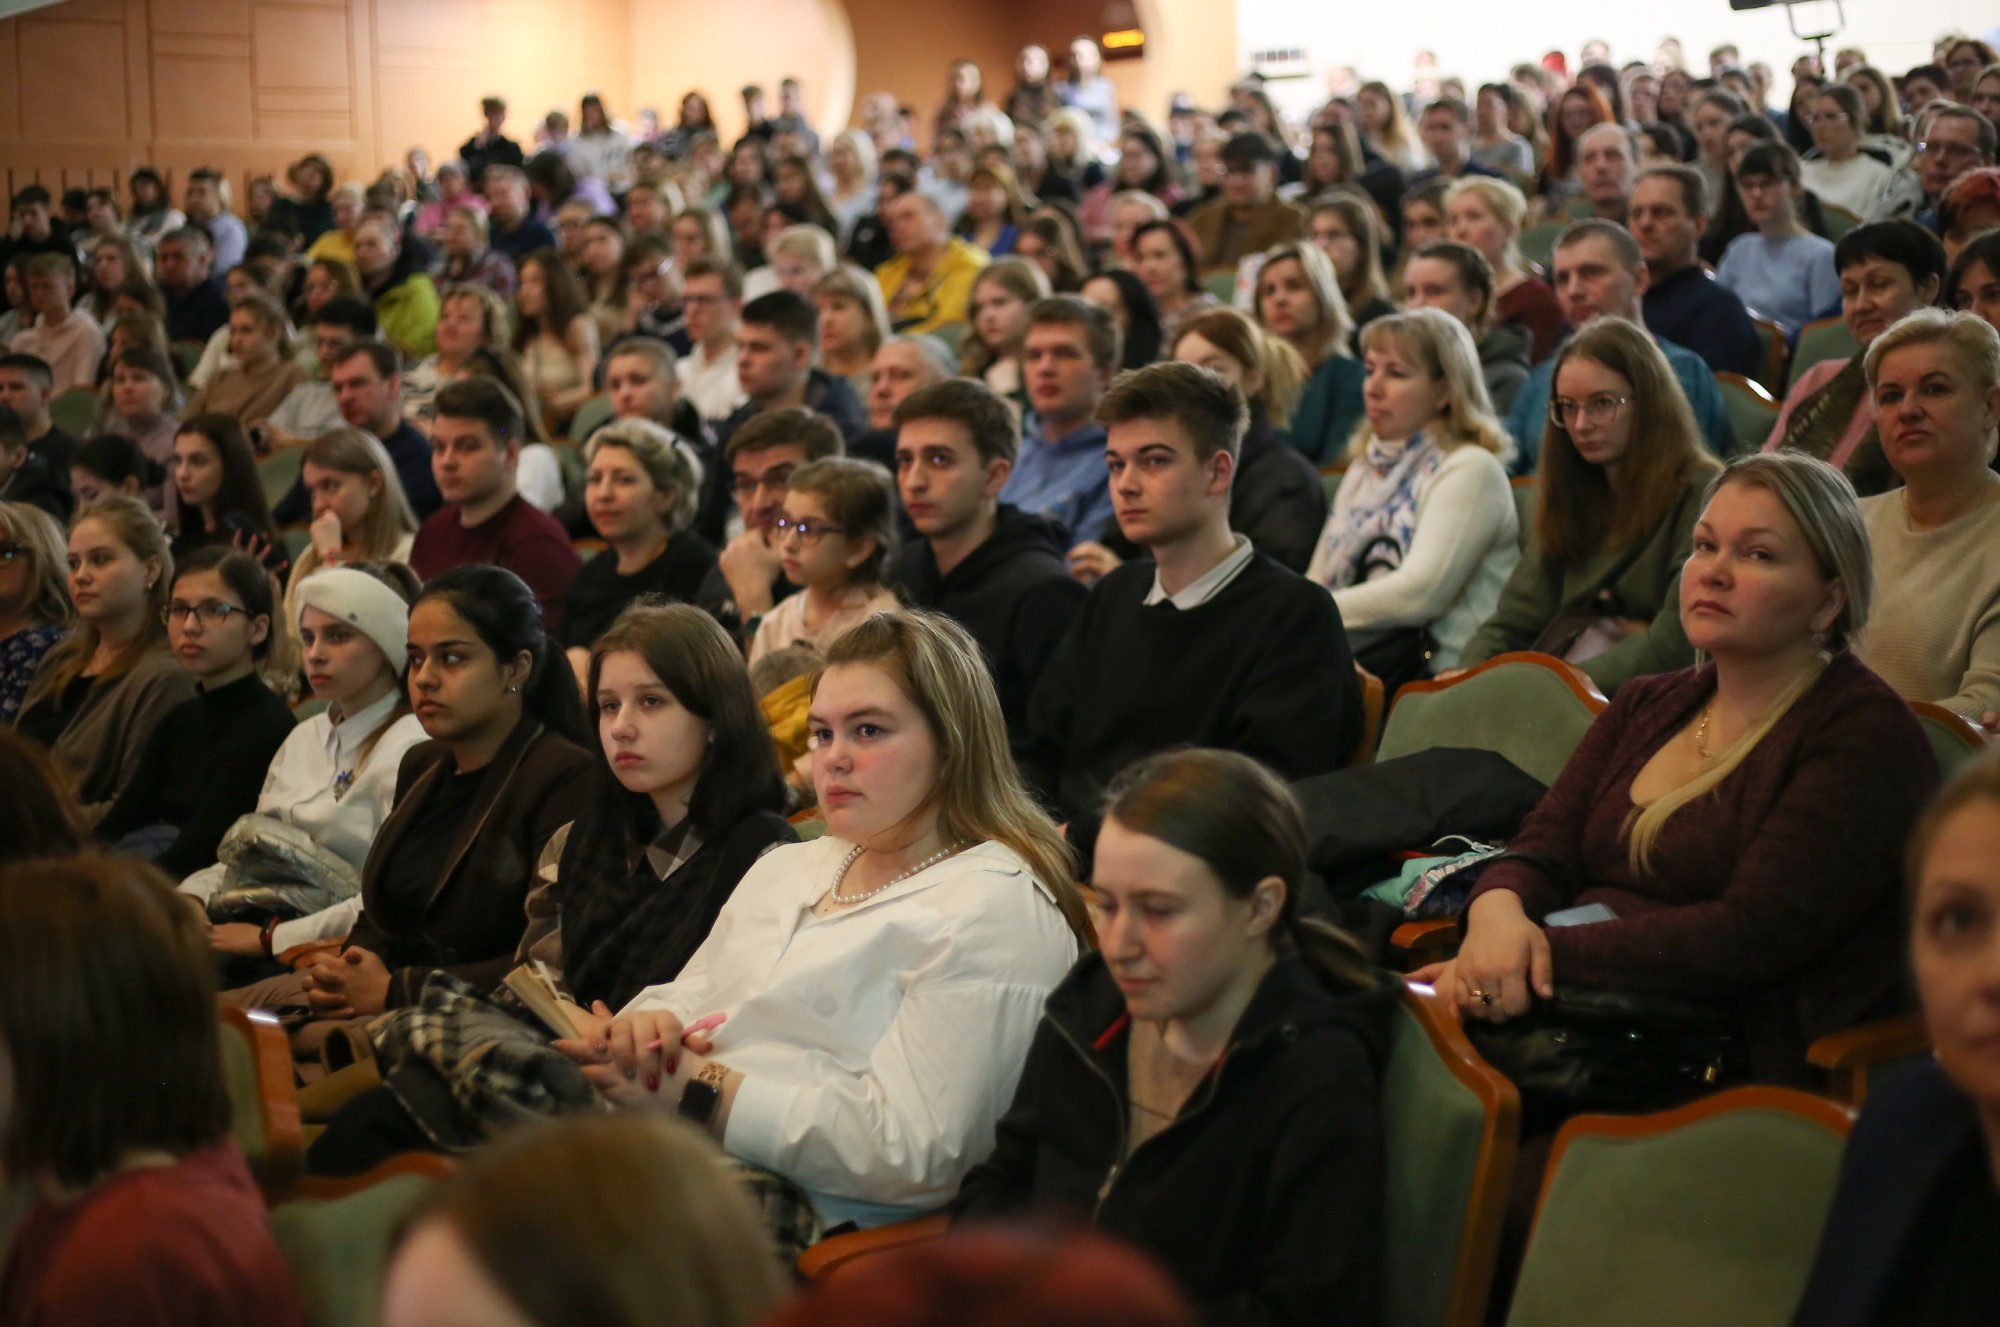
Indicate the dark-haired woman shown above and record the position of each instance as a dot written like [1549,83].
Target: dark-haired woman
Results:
[555,337]
[1888,270]
[117,1112]
[1974,284]
[684,801]
[1206,1086]
[201,767]
[448,876]
[222,500]
[1124,296]
[1623,474]
[99,694]
[111,465]
[1164,257]
[142,398]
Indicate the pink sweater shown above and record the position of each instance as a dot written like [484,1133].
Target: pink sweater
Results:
[1814,378]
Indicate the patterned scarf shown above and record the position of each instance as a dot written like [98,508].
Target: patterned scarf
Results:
[1375,513]
[1822,420]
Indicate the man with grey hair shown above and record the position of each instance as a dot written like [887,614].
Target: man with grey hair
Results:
[1605,164]
[901,366]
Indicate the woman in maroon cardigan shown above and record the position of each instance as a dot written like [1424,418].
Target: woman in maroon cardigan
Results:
[1743,820]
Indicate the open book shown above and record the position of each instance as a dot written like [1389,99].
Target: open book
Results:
[536,989]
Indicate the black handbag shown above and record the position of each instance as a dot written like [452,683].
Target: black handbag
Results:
[1590,1050]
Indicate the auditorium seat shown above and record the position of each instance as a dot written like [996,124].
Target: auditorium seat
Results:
[263,1105]
[1752,412]
[1862,1058]
[1954,739]
[1531,708]
[1829,338]
[336,1236]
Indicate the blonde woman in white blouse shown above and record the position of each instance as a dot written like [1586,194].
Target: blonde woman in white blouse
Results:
[1423,532]
[857,1018]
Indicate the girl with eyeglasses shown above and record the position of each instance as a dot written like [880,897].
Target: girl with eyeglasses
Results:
[1622,476]
[204,763]
[34,606]
[99,693]
[837,534]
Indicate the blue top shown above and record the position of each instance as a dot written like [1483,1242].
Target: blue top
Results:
[1531,407]
[1328,409]
[1064,480]
[1790,281]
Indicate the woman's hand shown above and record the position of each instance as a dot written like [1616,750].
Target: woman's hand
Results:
[645,1046]
[325,532]
[1503,964]
[591,1043]
[1091,561]
[237,938]
[352,984]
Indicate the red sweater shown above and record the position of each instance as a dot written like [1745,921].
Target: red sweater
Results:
[185,1245]
[1777,896]
[528,542]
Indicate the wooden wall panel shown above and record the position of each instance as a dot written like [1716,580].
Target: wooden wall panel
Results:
[68,76]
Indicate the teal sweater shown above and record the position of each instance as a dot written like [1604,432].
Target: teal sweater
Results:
[1328,410]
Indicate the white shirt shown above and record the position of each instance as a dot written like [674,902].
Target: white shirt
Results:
[711,383]
[880,1045]
[1210,583]
[299,790]
[1855,184]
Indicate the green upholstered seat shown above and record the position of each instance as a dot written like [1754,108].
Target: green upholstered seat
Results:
[1524,707]
[589,417]
[338,1248]
[1713,1220]
[1829,338]
[75,410]
[1752,413]
[278,470]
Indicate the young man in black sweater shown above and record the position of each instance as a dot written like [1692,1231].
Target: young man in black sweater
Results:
[1208,644]
[996,569]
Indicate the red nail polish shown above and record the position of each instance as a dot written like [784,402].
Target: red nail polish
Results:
[652,1082]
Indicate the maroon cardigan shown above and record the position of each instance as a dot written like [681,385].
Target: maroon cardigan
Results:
[1777,896]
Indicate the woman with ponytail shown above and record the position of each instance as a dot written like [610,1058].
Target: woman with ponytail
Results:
[1212,1011]
[1740,822]
[447,879]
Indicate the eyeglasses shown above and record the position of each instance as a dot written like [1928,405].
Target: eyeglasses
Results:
[1948,151]
[809,532]
[11,553]
[212,612]
[744,485]
[1598,409]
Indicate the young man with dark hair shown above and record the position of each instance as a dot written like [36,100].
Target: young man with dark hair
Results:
[1208,644]
[311,410]
[1446,128]
[202,201]
[489,147]
[513,230]
[183,266]
[712,298]
[31,229]
[26,476]
[756,466]
[1068,357]
[777,338]
[475,446]
[366,381]
[999,572]
[64,337]
[1248,217]
[26,387]
[1683,303]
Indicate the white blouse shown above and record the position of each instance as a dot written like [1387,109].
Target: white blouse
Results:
[299,790]
[879,1045]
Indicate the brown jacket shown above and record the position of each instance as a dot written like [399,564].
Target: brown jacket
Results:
[1223,244]
[477,912]
[100,744]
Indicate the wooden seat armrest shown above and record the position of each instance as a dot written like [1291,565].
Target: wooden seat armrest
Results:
[829,1255]
[1428,941]
[1871,1043]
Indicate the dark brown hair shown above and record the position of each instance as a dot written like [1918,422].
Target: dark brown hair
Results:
[973,407]
[1208,410]
[788,425]
[38,818]
[563,300]
[100,952]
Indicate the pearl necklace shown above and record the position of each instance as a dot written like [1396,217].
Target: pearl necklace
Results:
[849,900]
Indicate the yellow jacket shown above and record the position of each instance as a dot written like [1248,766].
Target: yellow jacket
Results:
[945,296]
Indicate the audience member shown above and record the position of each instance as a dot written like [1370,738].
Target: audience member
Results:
[1297,299]
[928,283]
[112,465]
[475,448]
[143,400]
[524,1234]
[994,209]
[1165,258]
[1268,1205]
[774,366]
[1956,140]
[641,497]
[67,339]
[555,337]
[1003,295]
[1423,533]
[1838,170]
[959,910]
[1445,129]
[27,477]
[1249,217]
[853,324]
[1917,1181]
[1385,127]
[1683,303]
[265,372]
[1345,225]
[143,1209]
[1494,144]
[1486,215]
[1622,480]
[100,693]
[183,266]
[1124,296]
[348,202]
[1457,279]
[468,256]
[835,539]
[513,228]
[1935,634]
[1210,643]
[406,303]
[359,510]
[1969,208]
[1600,272]
[1888,270]
[448,875]
[1833,768]
[490,147]
[206,200]
[1972,287]
[1069,354]
[758,464]
[713,297]
[218,496]
[1783,271]
[34,601]
[1605,162]
[313,407]
[37,819]
[31,230]
[204,761]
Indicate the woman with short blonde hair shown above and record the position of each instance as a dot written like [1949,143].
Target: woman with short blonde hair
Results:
[853,324]
[1487,215]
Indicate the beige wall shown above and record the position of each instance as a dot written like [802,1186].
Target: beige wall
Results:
[91,88]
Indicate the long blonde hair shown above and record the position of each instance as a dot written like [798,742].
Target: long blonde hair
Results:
[390,517]
[979,794]
[1439,345]
[1025,281]
[131,523]
[1336,322]
[1822,501]
[1233,333]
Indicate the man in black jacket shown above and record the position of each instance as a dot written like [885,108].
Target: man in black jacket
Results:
[995,569]
[1210,643]
[776,340]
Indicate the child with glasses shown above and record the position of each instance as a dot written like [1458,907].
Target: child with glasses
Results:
[836,535]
